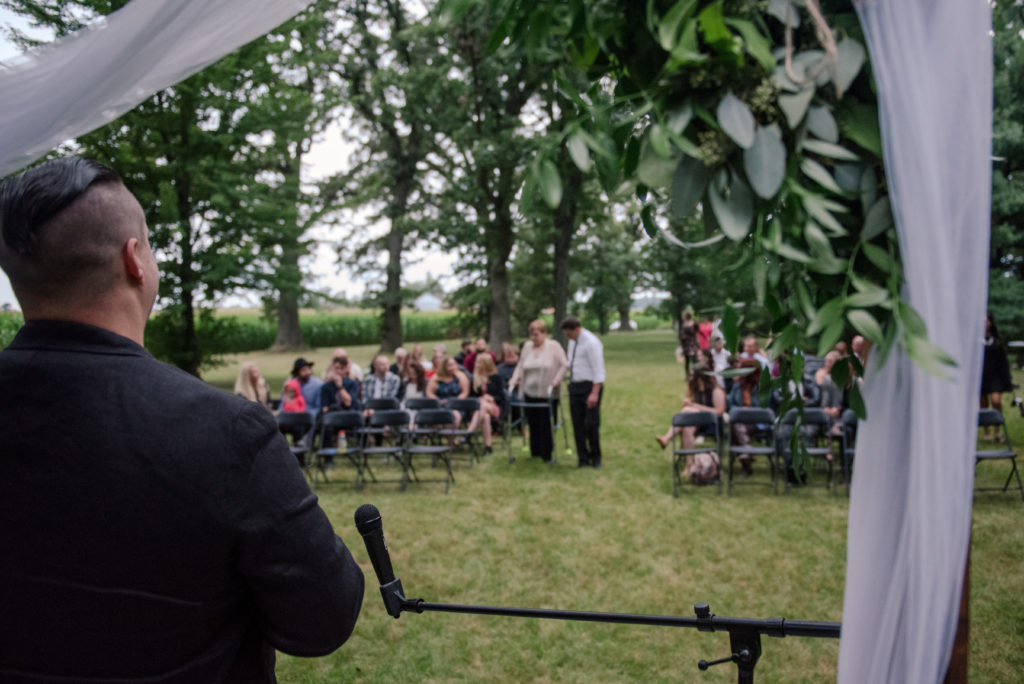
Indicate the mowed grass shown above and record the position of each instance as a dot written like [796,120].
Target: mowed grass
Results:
[616,540]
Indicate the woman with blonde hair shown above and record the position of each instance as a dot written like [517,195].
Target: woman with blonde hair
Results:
[538,375]
[251,385]
[488,385]
[448,383]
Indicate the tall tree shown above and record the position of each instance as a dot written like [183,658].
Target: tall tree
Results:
[395,80]
[1006,275]
[482,157]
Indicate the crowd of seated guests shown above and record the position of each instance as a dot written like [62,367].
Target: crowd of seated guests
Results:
[708,386]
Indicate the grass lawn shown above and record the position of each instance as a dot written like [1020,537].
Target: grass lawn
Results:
[616,540]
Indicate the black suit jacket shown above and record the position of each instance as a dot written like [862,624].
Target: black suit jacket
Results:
[152,528]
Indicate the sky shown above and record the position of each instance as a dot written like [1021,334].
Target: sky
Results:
[325,158]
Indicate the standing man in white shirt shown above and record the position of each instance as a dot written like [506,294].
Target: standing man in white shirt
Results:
[586,385]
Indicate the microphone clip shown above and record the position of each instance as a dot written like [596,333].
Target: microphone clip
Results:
[394,597]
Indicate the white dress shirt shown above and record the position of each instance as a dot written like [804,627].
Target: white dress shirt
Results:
[586,358]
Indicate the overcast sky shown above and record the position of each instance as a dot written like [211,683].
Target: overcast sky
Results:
[324,159]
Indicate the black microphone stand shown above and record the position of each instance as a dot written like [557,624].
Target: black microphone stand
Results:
[744,633]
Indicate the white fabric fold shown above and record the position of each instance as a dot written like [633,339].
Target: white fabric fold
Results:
[92,76]
[910,508]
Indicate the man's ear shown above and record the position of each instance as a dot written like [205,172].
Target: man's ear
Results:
[132,261]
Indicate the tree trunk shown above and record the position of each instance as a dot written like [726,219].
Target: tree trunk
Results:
[565,229]
[391,321]
[624,318]
[499,320]
[289,334]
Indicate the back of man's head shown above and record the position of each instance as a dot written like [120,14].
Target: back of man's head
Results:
[571,323]
[63,224]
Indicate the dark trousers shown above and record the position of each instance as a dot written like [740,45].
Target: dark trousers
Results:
[586,423]
[539,419]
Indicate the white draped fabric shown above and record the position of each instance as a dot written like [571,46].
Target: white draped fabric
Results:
[910,508]
[93,76]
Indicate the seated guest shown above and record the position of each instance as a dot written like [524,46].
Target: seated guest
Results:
[744,393]
[479,348]
[509,359]
[489,386]
[380,383]
[720,360]
[831,394]
[309,385]
[414,382]
[251,385]
[467,349]
[703,393]
[292,400]
[400,355]
[417,355]
[340,392]
[448,383]
[355,371]
[752,350]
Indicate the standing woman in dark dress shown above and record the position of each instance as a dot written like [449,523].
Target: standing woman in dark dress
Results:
[995,370]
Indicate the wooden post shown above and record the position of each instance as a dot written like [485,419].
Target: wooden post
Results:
[957,671]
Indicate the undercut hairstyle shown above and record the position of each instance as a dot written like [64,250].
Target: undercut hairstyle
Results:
[63,225]
[30,200]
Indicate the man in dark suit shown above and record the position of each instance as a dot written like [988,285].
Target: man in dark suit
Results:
[153,528]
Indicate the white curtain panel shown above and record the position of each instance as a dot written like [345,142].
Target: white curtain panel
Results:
[93,76]
[910,508]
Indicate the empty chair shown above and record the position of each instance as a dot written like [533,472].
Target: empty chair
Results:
[759,425]
[331,444]
[429,424]
[467,407]
[706,423]
[991,418]
[298,426]
[391,427]
[815,437]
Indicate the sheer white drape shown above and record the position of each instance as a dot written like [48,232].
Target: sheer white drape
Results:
[93,76]
[910,509]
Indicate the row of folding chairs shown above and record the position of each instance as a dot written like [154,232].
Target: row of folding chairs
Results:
[819,443]
[770,439]
[388,434]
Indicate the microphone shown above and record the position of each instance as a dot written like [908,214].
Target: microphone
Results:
[369,524]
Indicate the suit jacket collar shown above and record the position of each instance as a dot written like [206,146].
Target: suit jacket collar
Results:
[70,336]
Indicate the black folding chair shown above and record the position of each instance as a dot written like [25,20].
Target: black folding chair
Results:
[339,435]
[816,436]
[467,407]
[760,427]
[392,427]
[705,422]
[429,424]
[420,403]
[298,426]
[989,418]
[381,404]
[849,445]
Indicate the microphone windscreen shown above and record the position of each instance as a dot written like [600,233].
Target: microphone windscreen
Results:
[367,517]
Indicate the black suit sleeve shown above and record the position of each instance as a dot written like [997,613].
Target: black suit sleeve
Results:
[307,588]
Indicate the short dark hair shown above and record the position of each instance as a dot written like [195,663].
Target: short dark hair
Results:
[31,199]
[570,323]
[62,225]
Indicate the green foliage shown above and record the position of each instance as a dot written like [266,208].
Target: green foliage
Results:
[10,324]
[1006,274]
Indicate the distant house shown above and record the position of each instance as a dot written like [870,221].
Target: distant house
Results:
[427,302]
